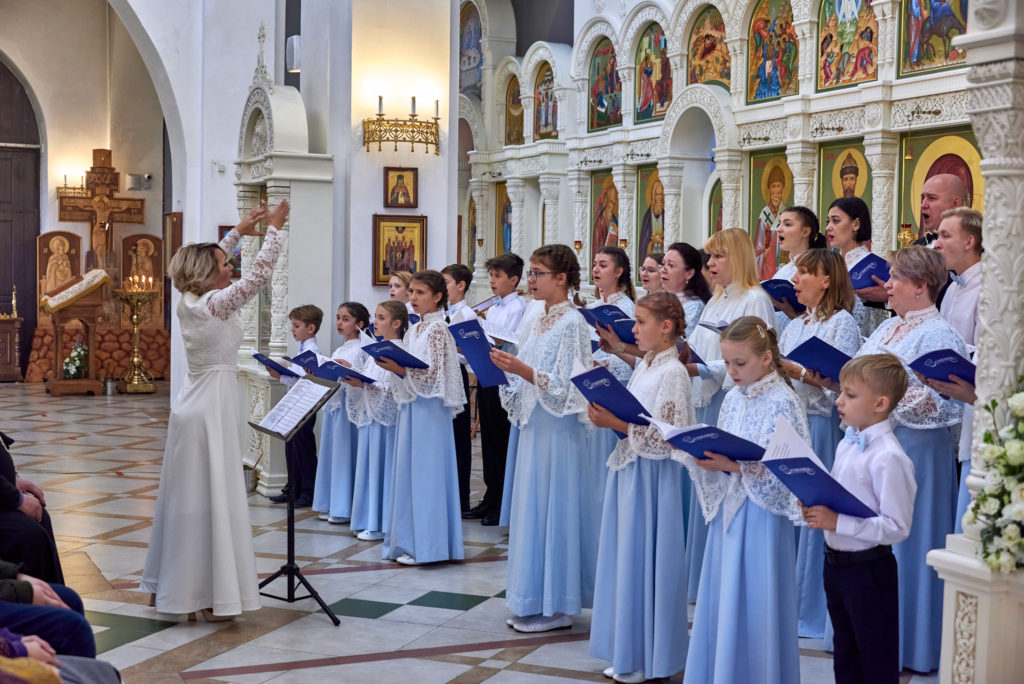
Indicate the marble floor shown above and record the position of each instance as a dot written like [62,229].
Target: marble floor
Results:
[98,462]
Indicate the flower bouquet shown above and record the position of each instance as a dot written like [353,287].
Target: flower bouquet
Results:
[75,366]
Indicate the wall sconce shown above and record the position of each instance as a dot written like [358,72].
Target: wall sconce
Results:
[380,130]
[71,191]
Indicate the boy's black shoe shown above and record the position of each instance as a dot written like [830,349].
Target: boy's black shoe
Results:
[491,519]
[475,512]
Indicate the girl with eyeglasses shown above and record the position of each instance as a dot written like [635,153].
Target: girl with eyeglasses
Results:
[650,273]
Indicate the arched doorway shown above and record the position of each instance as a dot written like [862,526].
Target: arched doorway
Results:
[19,204]
[692,142]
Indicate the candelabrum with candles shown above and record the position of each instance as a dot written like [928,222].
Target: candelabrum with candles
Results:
[380,130]
[136,292]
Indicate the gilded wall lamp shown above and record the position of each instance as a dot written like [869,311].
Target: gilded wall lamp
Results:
[380,130]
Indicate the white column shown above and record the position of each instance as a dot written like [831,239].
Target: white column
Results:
[481,192]
[887,14]
[729,164]
[807,72]
[738,60]
[248,196]
[579,192]
[279,325]
[549,184]
[516,188]
[881,149]
[802,158]
[528,104]
[628,104]
[670,173]
[624,177]
[982,610]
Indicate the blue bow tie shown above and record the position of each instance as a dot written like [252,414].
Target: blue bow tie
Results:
[959,280]
[856,437]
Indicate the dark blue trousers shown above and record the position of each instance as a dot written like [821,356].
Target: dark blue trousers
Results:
[66,630]
[300,452]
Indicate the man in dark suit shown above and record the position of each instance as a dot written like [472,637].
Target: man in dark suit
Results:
[26,535]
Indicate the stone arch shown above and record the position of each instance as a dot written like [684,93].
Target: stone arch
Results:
[558,55]
[638,19]
[591,33]
[686,13]
[712,101]
[469,111]
[503,73]
[737,23]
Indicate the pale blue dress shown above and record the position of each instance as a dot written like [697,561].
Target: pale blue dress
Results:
[744,627]
[841,331]
[727,305]
[424,517]
[374,410]
[336,462]
[640,618]
[552,541]
[926,426]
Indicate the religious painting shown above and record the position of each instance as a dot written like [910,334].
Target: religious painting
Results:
[653,75]
[771,191]
[843,172]
[927,29]
[708,56]
[140,258]
[927,154]
[235,258]
[471,233]
[847,43]
[773,52]
[471,56]
[605,107]
[513,114]
[58,261]
[715,208]
[401,187]
[545,105]
[399,244]
[502,219]
[604,212]
[650,212]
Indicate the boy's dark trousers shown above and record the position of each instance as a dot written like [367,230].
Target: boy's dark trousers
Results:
[301,450]
[494,429]
[861,591]
[462,426]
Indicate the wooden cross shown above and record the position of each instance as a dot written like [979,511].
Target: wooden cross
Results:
[95,204]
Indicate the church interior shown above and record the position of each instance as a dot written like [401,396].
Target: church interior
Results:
[412,134]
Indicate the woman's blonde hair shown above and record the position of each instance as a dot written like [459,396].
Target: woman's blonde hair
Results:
[922,266]
[839,293]
[194,267]
[755,332]
[735,244]
[404,276]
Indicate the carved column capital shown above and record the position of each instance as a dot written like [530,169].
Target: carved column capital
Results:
[806,35]
[881,150]
[549,186]
[738,58]
[527,117]
[578,182]
[887,15]
[802,158]
[516,188]
[625,177]
[279,326]
[670,173]
[729,164]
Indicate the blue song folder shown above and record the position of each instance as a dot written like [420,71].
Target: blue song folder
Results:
[335,372]
[270,363]
[389,350]
[309,360]
[714,327]
[472,342]
[942,363]
[871,265]
[819,356]
[696,439]
[694,356]
[414,319]
[783,290]
[600,387]
[813,486]
[611,316]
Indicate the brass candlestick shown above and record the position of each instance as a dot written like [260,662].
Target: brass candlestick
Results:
[905,236]
[136,293]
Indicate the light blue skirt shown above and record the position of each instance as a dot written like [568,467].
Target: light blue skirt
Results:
[424,518]
[963,498]
[601,443]
[510,474]
[336,464]
[549,527]
[744,628]
[932,452]
[696,527]
[375,458]
[640,619]
[810,546]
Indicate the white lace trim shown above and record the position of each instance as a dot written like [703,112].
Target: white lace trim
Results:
[431,341]
[223,303]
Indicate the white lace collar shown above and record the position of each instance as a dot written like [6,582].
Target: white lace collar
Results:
[761,386]
[652,360]
[557,310]
[919,316]
[432,316]
[613,297]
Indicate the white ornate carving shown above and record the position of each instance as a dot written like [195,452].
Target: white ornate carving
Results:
[965,627]
[257,109]
[642,15]
[946,108]
[261,76]
[714,104]
[598,29]
[801,10]
[729,164]
[533,166]
[259,403]
[838,123]
[872,115]
[989,13]
[471,113]
[591,157]
[794,123]
[534,57]
[762,133]
[516,189]
[678,29]
[549,185]
[578,191]
[881,150]
[261,168]
[599,5]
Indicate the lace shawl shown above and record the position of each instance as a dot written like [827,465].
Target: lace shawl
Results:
[868,318]
[728,305]
[663,386]
[840,330]
[750,412]
[372,403]
[431,341]
[223,303]
[351,351]
[693,308]
[909,337]
[557,338]
[619,368]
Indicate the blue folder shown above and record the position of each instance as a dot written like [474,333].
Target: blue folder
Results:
[813,486]
[694,356]
[414,319]
[270,363]
[309,360]
[600,387]
[819,356]
[611,316]
[871,265]
[389,350]
[783,290]
[473,343]
[698,439]
[594,346]
[335,372]
[942,363]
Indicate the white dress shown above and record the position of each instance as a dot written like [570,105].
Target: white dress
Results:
[200,552]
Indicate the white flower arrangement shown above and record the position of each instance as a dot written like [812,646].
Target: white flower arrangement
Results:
[75,364]
[998,509]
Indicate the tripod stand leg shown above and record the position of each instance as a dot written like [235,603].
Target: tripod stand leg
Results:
[316,597]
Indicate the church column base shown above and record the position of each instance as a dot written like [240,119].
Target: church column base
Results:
[981,614]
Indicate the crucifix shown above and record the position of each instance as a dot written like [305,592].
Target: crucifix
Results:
[95,204]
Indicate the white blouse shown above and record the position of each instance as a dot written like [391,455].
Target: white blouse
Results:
[839,330]
[430,341]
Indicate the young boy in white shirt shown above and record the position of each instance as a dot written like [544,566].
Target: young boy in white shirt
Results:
[861,587]
[458,278]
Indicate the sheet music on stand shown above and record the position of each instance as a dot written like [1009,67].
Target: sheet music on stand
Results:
[302,401]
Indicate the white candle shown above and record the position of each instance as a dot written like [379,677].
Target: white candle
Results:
[414,105]
[380,104]
[437,109]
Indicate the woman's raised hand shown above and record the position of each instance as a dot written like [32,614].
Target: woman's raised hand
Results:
[252,218]
[279,214]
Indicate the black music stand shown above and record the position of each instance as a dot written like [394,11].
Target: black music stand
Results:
[290,569]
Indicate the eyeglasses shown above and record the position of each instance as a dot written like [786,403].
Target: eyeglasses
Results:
[653,269]
[533,275]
